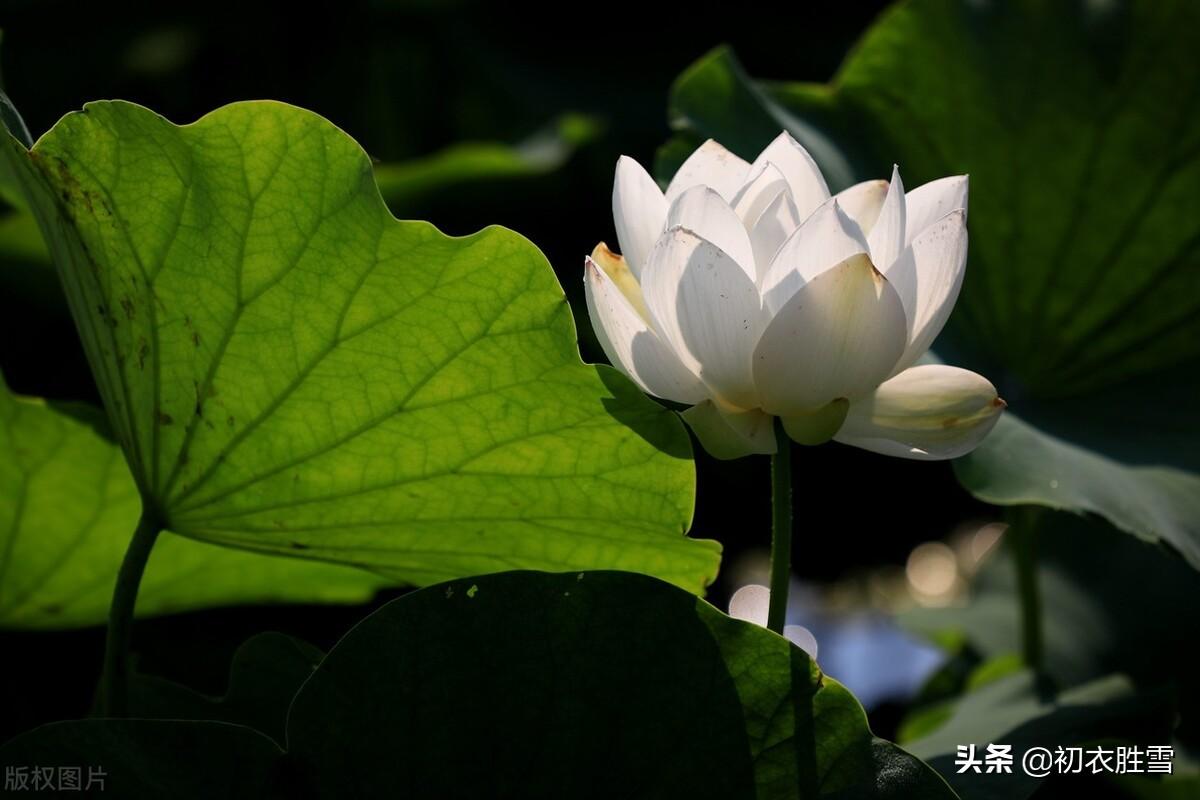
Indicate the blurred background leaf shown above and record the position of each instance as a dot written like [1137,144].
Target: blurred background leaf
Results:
[407,186]
[1111,604]
[1013,711]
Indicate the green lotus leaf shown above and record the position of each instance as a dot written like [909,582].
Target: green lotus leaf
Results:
[290,369]
[70,505]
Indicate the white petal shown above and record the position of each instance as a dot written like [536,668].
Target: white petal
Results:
[929,412]
[862,202]
[827,238]
[804,178]
[710,165]
[702,210]
[639,211]
[931,201]
[727,435]
[704,304]
[764,185]
[928,276]
[887,236]
[772,228]
[632,346]
[839,336]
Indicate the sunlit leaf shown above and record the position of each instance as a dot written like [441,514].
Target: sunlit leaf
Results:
[69,507]
[1078,127]
[291,369]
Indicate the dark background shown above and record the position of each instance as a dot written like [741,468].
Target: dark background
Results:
[406,79]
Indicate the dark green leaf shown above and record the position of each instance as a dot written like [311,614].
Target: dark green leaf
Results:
[1078,125]
[267,671]
[1012,711]
[151,759]
[583,685]
[523,684]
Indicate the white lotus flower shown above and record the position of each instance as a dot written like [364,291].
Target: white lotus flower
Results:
[747,292]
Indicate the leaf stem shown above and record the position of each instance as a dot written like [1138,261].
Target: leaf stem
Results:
[1021,532]
[114,681]
[781,529]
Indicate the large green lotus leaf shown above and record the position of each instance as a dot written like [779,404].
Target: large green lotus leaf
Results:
[69,507]
[1078,125]
[584,685]
[592,684]
[290,369]
[1012,711]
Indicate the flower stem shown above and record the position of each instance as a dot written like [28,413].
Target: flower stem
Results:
[114,681]
[781,529]
[1022,537]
